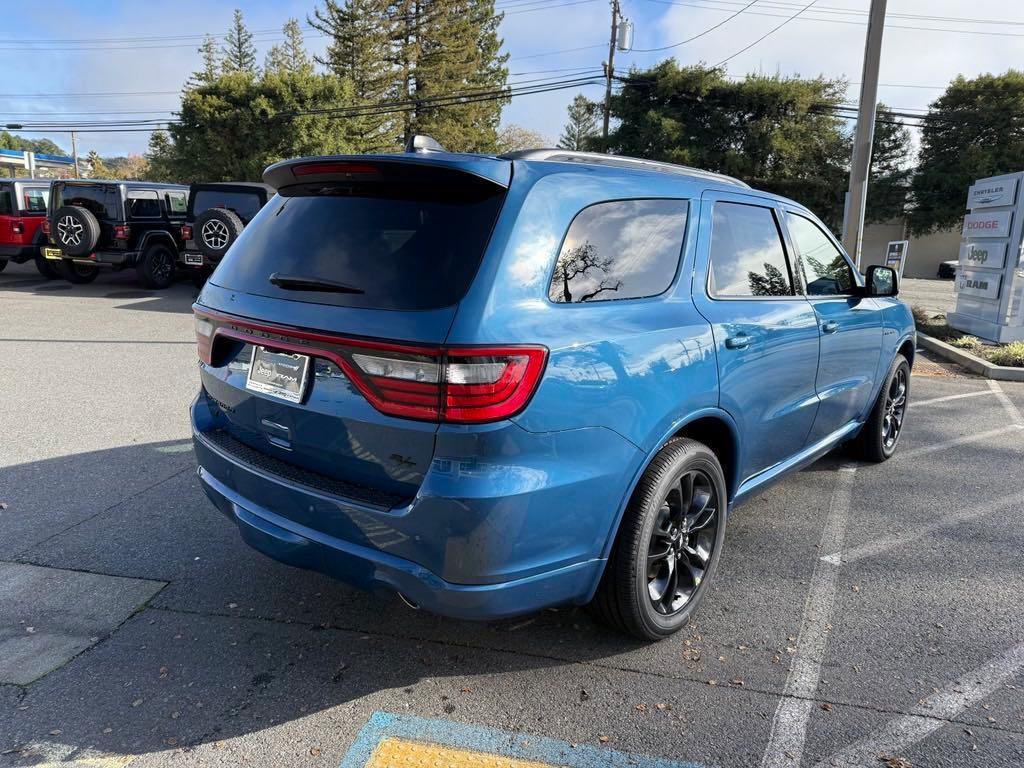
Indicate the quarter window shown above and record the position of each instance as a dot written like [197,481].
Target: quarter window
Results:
[747,256]
[626,249]
[36,199]
[826,269]
[143,205]
[5,203]
[177,203]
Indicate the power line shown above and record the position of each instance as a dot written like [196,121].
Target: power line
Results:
[700,34]
[771,31]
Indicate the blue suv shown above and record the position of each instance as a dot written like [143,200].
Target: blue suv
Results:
[495,384]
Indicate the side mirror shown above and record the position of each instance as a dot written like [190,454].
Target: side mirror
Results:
[881,281]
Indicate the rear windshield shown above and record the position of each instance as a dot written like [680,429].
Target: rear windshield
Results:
[406,249]
[245,204]
[101,199]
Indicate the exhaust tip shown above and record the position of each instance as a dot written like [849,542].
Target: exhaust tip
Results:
[408,602]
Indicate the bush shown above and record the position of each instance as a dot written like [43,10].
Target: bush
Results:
[965,342]
[1009,354]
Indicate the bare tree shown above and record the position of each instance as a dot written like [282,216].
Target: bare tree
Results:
[578,262]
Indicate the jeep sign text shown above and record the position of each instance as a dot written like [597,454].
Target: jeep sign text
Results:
[990,254]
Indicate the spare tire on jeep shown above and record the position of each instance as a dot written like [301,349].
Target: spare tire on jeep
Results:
[75,230]
[215,230]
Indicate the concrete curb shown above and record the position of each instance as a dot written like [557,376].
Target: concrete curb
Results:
[969,361]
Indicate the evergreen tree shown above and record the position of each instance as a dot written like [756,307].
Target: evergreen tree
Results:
[290,56]
[360,51]
[889,182]
[98,168]
[450,47]
[239,51]
[210,55]
[582,126]
[974,130]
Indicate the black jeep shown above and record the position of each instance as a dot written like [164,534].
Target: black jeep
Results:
[217,213]
[116,224]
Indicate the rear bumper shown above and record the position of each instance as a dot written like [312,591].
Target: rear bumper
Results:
[498,535]
[192,258]
[106,258]
[18,253]
[370,569]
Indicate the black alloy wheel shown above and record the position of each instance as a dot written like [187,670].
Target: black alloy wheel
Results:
[895,409]
[682,542]
[668,544]
[157,266]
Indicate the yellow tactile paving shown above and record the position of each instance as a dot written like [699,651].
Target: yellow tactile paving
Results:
[399,753]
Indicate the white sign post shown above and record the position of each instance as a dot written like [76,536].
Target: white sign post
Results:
[990,274]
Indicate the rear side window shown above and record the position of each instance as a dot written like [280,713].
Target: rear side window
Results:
[626,249]
[747,256]
[6,208]
[826,270]
[101,199]
[245,204]
[177,203]
[393,245]
[143,204]
[34,199]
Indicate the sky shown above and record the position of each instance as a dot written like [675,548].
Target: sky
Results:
[146,51]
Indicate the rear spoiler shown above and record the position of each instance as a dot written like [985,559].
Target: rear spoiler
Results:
[411,166]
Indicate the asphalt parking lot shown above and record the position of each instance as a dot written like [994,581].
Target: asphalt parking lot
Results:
[863,614]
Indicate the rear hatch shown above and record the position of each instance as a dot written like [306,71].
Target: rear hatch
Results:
[344,287]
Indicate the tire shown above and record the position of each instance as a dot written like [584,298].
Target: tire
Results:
[79,274]
[75,230]
[637,594]
[47,268]
[876,443]
[215,230]
[157,265]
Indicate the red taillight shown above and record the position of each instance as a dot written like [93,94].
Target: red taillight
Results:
[462,385]
[186,231]
[18,226]
[45,226]
[316,169]
[122,232]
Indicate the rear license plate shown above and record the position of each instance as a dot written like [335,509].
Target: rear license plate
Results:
[51,253]
[194,259]
[278,374]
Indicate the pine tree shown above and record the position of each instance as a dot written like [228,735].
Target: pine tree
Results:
[98,168]
[452,47]
[290,56]
[582,125]
[360,52]
[239,51]
[210,55]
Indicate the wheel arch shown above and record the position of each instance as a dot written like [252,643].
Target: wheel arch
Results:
[155,236]
[908,350]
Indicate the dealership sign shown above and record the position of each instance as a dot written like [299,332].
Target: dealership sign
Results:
[988,224]
[983,253]
[992,193]
[984,285]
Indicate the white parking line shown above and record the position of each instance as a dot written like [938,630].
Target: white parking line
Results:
[789,726]
[1002,397]
[931,714]
[926,449]
[948,398]
[887,543]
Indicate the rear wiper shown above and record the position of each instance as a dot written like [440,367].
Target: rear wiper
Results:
[304,283]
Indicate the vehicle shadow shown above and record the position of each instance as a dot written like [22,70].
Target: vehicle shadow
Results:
[235,642]
[123,285]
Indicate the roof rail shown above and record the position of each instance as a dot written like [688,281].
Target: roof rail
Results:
[619,161]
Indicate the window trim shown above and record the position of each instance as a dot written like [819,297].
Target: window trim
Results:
[806,216]
[797,286]
[550,273]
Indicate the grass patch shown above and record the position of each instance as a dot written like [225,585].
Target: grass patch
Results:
[1011,354]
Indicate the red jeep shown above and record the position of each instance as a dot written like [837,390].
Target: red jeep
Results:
[22,212]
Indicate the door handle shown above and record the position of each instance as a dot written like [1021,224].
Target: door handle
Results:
[829,326]
[741,341]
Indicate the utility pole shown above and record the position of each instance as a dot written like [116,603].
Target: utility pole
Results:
[609,70]
[860,166]
[74,153]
